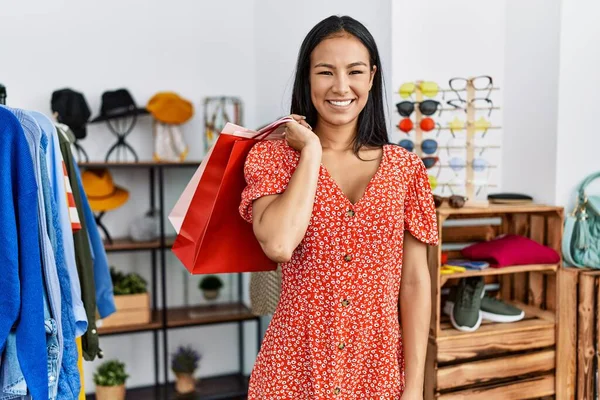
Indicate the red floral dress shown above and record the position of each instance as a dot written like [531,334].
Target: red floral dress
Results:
[335,333]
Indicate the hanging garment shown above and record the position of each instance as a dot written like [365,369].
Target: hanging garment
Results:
[60,191]
[83,256]
[68,382]
[21,269]
[105,298]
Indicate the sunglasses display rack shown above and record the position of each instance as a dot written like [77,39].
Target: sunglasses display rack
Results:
[471,130]
[468,92]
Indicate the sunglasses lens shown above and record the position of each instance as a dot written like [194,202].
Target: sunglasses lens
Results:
[482,82]
[429,146]
[427,124]
[429,107]
[406,125]
[479,164]
[458,84]
[433,182]
[429,161]
[407,144]
[438,200]
[405,108]
[456,201]
[456,163]
[406,89]
[429,89]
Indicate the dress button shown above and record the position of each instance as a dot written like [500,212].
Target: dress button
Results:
[350,212]
[348,257]
[341,346]
[345,303]
[337,391]
[93,331]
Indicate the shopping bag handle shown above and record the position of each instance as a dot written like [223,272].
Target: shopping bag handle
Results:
[267,130]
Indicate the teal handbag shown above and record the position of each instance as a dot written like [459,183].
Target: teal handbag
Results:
[581,239]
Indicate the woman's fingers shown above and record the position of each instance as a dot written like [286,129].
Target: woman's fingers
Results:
[297,117]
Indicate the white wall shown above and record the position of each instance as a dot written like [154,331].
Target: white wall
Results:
[436,40]
[531,98]
[578,141]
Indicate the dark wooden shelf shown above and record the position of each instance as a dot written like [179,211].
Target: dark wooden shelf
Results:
[188,316]
[126,244]
[154,324]
[208,314]
[224,387]
[140,164]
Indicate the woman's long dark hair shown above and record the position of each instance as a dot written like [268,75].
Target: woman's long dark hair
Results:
[372,127]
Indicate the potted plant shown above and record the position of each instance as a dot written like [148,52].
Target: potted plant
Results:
[210,286]
[110,380]
[131,300]
[184,363]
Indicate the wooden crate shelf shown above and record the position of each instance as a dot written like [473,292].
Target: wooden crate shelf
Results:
[501,271]
[500,360]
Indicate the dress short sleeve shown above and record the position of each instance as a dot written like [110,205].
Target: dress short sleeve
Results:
[419,209]
[267,171]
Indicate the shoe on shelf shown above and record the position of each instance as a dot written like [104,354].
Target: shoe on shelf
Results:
[496,310]
[465,310]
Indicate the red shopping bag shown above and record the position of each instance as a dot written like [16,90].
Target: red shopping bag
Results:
[213,237]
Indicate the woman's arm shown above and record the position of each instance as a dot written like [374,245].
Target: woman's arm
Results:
[415,313]
[280,221]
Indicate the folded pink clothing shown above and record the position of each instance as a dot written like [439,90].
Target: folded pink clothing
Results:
[511,250]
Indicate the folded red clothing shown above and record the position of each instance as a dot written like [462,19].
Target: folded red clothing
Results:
[511,250]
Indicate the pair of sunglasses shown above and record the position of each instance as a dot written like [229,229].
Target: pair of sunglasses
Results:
[478,164]
[428,146]
[427,107]
[429,89]
[461,104]
[454,201]
[427,124]
[483,82]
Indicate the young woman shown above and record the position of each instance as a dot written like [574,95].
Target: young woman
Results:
[348,216]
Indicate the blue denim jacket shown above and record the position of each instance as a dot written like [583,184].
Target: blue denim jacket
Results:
[69,381]
[57,182]
[30,362]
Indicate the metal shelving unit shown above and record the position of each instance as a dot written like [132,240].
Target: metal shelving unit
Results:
[232,386]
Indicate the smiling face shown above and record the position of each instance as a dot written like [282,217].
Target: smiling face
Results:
[340,79]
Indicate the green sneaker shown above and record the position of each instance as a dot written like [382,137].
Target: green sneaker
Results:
[496,310]
[465,312]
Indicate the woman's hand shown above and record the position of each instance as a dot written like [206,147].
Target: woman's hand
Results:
[299,134]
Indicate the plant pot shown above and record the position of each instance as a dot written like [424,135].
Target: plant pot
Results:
[186,383]
[210,294]
[110,392]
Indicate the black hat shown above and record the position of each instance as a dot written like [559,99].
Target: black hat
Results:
[72,110]
[117,104]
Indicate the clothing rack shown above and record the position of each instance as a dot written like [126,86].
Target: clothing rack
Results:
[2,94]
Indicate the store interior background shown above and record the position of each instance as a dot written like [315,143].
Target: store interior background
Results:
[543,54]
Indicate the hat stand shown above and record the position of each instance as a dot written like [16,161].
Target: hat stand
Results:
[98,218]
[121,127]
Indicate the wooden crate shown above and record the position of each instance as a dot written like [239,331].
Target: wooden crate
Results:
[132,309]
[499,361]
[580,328]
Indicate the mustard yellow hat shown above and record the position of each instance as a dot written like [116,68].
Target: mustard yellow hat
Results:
[170,108]
[101,191]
